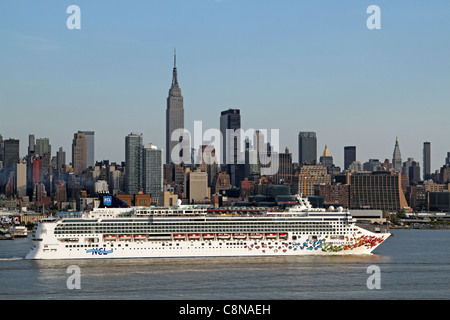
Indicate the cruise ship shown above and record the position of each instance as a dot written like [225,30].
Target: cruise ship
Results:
[115,230]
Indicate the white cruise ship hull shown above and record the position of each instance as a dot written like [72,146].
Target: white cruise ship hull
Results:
[187,231]
[361,242]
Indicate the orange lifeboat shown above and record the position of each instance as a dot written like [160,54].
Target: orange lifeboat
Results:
[256,236]
[110,237]
[194,236]
[179,236]
[271,235]
[239,236]
[208,236]
[223,236]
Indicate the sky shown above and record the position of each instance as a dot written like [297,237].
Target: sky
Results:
[295,66]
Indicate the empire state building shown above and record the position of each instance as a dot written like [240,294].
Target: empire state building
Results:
[174,114]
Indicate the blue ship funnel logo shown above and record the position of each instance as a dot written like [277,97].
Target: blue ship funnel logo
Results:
[107,200]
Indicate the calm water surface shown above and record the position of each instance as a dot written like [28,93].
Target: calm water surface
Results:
[414,264]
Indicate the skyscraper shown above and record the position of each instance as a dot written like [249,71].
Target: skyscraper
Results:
[79,152]
[426,160]
[31,144]
[174,114]
[90,148]
[60,159]
[42,146]
[230,120]
[397,157]
[307,148]
[349,156]
[133,162]
[153,170]
[326,159]
[10,156]
[1,151]
[232,155]
[21,178]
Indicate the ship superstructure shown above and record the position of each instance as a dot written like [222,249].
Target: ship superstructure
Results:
[114,230]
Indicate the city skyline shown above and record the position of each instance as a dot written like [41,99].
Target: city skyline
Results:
[295,67]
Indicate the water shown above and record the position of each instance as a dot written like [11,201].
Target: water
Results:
[414,264]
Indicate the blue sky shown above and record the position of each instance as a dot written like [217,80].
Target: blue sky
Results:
[288,65]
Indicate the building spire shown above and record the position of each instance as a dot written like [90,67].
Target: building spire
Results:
[325,152]
[175,58]
[174,75]
[397,157]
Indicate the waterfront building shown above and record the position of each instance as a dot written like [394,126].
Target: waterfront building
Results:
[174,114]
[438,201]
[377,190]
[307,148]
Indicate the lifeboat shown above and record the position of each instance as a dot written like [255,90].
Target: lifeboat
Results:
[194,237]
[271,235]
[110,237]
[124,237]
[255,236]
[139,236]
[283,235]
[223,236]
[208,236]
[239,236]
[179,236]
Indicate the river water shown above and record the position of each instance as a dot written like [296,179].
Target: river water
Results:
[413,264]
